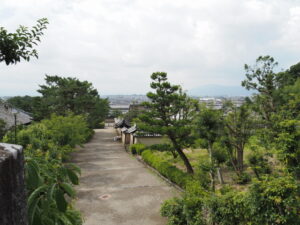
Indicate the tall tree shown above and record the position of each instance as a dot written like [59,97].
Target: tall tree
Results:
[170,112]
[62,95]
[262,78]
[19,45]
[208,126]
[239,124]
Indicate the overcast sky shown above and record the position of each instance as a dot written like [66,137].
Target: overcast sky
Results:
[117,44]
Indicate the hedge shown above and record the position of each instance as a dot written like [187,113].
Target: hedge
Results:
[166,169]
[137,148]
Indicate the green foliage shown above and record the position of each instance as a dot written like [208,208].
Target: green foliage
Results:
[242,178]
[137,149]
[166,169]
[49,181]
[116,113]
[274,201]
[238,128]
[29,104]
[259,163]
[169,112]
[19,45]
[174,211]
[2,128]
[189,209]
[63,95]
[289,145]
[101,125]
[165,147]
[228,208]
[262,78]
[208,126]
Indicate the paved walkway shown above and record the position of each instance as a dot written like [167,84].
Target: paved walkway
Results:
[115,188]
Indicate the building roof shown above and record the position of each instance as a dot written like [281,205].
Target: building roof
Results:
[121,123]
[124,129]
[131,130]
[7,114]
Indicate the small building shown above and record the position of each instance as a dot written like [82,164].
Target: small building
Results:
[122,108]
[136,107]
[11,115]
[119,124]
[126,135]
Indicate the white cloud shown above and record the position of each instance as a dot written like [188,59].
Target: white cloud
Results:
[117,44]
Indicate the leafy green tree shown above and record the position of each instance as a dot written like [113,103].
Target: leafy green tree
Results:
[239,126]
[19,45]
[208,126]
[22,102]
[262,78]
[170,112]
[116,113]
[49,178]
[62,95]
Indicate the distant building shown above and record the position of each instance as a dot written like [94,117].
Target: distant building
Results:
[136,107]
[217,103]
[8,114]
[122,108]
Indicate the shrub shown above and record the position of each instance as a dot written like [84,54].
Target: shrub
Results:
[48,179]
[186,210]
[274,200]
[173,210]
[137,148]
[166,169]
[165,148]
[228,208]
[259,163]
[243,178]
[101,125]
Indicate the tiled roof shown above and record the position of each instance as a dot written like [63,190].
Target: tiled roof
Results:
[122,123]
[131,129]
[7,114]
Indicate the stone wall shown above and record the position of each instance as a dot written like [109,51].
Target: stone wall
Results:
[12,187]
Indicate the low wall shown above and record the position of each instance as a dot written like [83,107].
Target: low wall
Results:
[13,204]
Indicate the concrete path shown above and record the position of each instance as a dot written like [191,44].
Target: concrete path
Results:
[116,189]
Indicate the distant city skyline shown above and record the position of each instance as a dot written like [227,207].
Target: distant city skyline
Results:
[117,45]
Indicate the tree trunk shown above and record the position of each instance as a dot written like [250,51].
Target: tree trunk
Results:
[212,172]
[240,159]
[174,154]
[186,161]
[220,176]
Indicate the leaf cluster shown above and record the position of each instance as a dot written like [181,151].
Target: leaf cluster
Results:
[19,45]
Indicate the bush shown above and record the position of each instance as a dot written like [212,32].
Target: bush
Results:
[187,210]
[243,178]
[166,169]
[274,200]
[173,210]
[101,125]
[137,148]
[165,148]
[162,147]
[48,179]
[259,163]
